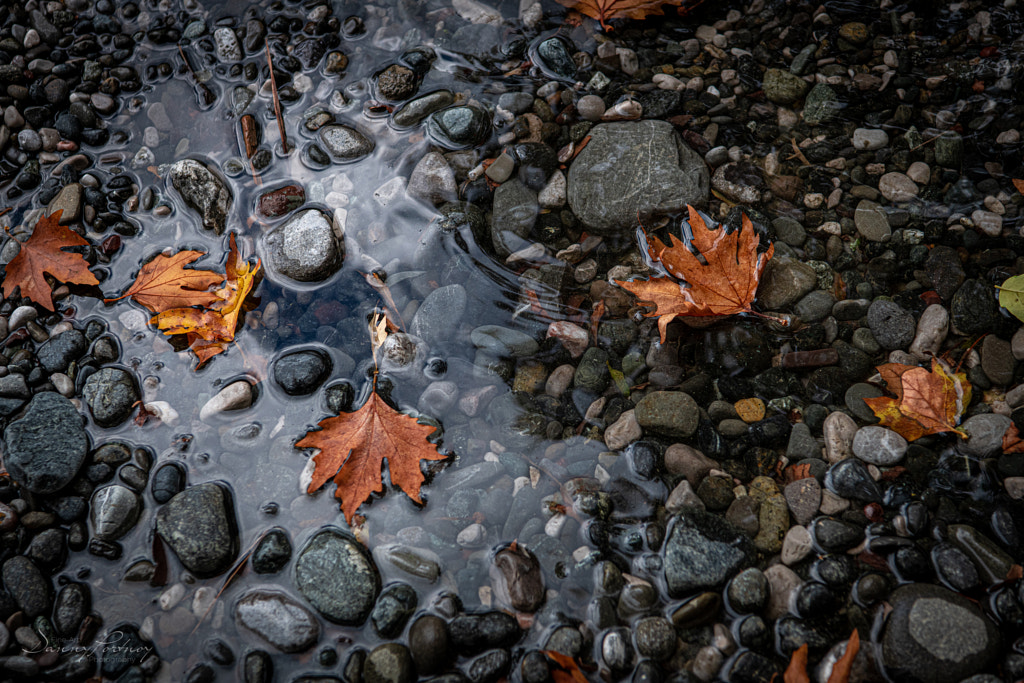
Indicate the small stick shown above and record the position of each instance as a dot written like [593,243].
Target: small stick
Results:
[277,100]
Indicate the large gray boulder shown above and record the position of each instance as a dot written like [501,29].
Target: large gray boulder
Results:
[630,168]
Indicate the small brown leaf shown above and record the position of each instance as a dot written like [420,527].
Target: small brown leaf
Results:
[796,672]
[1019,184]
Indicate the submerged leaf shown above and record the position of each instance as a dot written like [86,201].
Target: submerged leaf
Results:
[606,10]
[209,330]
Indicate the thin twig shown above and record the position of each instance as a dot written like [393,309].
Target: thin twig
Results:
[227,582]
[277,100]
[932,139]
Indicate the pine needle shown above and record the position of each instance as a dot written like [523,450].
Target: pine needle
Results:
[277,100]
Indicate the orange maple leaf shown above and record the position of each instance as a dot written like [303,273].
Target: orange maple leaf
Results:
[210,330]
[606,10]
[796,672]
[1019,184]
[354,446]
[725,284]
[164,283]
[566,670]
[43,254]
[925,402]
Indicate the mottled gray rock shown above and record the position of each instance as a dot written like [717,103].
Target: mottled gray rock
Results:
[432,180]
[204,191]
[228,49]
[702,552]
[44,450]
[199,526]
[345,143]
[630,168]
[278,619]
[783,87]
[58,352]
[306,248]
[110,394]
[337,576]
[670,413]
[892,326]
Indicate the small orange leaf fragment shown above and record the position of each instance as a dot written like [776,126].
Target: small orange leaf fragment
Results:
[1019,184]
[842,668]
[796,672]
[43,254]
[1012,442]
[925,403]
[725,284]
[354,446]
[566,670]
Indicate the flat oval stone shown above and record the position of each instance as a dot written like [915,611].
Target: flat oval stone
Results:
[337,576]
[278,619]
[345,143]
[879,446]
[199,526]
[114,511]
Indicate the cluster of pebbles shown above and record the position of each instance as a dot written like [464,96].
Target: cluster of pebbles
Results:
[688,509]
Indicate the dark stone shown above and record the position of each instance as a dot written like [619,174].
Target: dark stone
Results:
[395,605]
[272,553]
[302,372]
[58,352]
[974,309]
[199,526]
[473,633]
[919,645]
[703,551]
[30,589]
[44,450]
[111,395]
[336,574]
